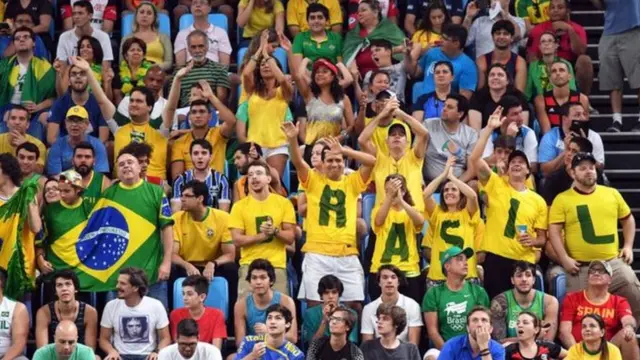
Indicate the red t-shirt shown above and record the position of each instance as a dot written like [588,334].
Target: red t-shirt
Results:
[576,306]
[564,46]
[210,325]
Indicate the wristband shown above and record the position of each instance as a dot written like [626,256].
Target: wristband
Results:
[484,352]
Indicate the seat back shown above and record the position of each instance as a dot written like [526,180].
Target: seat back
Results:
[218,296]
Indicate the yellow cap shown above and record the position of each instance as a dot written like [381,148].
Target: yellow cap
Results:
[78,111]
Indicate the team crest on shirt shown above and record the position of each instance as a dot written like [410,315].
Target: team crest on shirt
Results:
[4,314]
[209,232]
[137,136]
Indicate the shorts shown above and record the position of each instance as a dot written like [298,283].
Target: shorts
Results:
[280,150]
[619,55]
[346,268]
[244,287]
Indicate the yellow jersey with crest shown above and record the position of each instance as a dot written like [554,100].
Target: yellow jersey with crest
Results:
[201,240]
[396,243]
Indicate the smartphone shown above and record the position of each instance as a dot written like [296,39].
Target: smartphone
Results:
[577,126]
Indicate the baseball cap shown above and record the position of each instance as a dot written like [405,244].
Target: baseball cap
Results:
[397,126]
[326,63]
[79,112]
[580,157]
[453,252]
[604,264]
[72,177]
[519,153]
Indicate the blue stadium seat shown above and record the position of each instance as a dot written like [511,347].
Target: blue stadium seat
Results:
[279,54]
[218,296]
[286,177]
[127,24]
[539,284]
[416,92]
[368,200]
[560,288]
[218,20]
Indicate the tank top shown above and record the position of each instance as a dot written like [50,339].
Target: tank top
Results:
[323,120]
[7,306]
[93,191]
[514,309]
[553,108]
[155,51]
[510,65]
[255,315]
[79,321]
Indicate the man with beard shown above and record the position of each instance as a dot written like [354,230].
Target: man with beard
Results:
[244,155]
[502,33]
[187,345]
[94,100]
[154,81]
[506,307]
[133,324]
[60,154]
[477,343]
[94,183]
[587,215]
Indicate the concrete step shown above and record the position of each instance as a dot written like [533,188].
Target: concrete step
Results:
[622,160]
[630,195]
[626,141]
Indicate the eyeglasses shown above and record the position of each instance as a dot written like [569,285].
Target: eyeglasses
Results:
[597,271]
[21,37]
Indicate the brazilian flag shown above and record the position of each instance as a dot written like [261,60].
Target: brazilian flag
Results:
[17,241]
[122,230]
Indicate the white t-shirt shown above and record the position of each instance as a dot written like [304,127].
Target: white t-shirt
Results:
[369,319]
[7,307]
[203,351]
[218,41]
[17,90]
[134,329]
[526,141]
[68,44]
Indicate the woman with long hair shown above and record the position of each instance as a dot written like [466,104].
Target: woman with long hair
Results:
[272,43]
[529,345]
[430,105]
[255,16]
[89,49]
[594,345]
[133,68]
[430,27]
[145,28]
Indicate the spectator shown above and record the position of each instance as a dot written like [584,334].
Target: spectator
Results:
[22,19]
[51,191]
[154,82]
[188,345]
[480,28]
[388,10]
[571,39]
[267,106]
[428,31]
[548,103]
[342,321]
[245,153]
[450,136]
[133,324]
[41,12]
[458,204]
[251,311]
[389,279]
[89,49]
[597,239]
[104,15]
[270,42]
[65,345]
[209,321]
[430,106]
[513,125]
[522,231]
[132,69]
[143,152]
[298,16]
[139,130]
[445,306]
[391,322]
[316,41]
[464,69]
[594,343]
[477,341]
[555,142]
[533,12]
[528,342]
[485,101]
[502,33]
[60,154]
[15,318]
[506,307]
[28,155]
[256,16]
[382,52]
[503,146]
[317,319]
[538,76]
[219,49]
[17,123]
[619,324]
[280,320]
[158,45]
[130,6]
[66,308]
[94,183]
[371,25]
[415,8]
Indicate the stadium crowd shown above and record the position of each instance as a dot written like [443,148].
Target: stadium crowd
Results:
[377,179]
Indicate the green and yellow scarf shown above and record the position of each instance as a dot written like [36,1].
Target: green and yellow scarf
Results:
[128,81]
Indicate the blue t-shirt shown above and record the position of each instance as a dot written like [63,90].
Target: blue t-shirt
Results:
[465,75]
[430,104]
[61,153]
[288,351]
[620,16]
[458,348]
[59,112]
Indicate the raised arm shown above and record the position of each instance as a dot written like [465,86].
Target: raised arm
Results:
[106,106]
[227,117]
[169,111]
[364,140]
[483,169]
[302,168]
[429,203]
[467,191]
[300,77]
[347,78]
[363,158]
[390,195]
[254,60]
[421,133]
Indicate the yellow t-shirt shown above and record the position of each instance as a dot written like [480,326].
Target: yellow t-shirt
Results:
[259,18]
[408,166]
[248,213]
[425,38]
[448,229]
[144,133]
[396,243]
[332,213]
[381,133]
[200,241]
[265,119]
[155,51]
[509,208]
[6,147]
[297,13]
[578,352]
[590,222]
[180,149]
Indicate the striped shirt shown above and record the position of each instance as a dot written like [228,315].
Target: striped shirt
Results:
[215,74]
[216,182]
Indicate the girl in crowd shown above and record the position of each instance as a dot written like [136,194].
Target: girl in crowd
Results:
[255,16]
[89,49]
[528,346]
[428,32]
[145,28]
[594,345]
[430,105]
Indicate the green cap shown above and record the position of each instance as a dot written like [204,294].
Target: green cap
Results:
[453,252]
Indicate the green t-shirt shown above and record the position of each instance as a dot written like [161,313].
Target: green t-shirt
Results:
[312,318]
[48,352]
[330,48]
[514,309]
[452,307]
[538,79]
[537,11]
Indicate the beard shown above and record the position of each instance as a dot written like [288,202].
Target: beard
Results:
[587,181]
[84,170]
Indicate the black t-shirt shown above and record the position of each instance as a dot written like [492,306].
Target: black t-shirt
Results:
[373,349]
[481,101]
[546,351]
[560,181]
[327,353]
[35,9]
